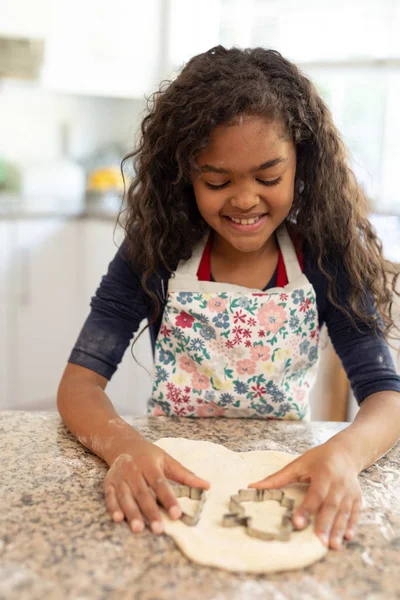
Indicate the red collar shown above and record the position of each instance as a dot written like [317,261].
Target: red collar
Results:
[204,271]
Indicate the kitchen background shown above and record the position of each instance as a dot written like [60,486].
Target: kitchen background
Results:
[74,76]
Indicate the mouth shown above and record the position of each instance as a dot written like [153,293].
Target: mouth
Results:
[248,224]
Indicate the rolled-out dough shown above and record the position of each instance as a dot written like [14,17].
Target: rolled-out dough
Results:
[208,543]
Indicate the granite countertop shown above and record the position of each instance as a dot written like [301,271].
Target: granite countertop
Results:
[57,540]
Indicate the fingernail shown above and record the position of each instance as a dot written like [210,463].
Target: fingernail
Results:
[117,515]
[337,543]
[136,525]
[175,512]
[350,533]
[300,521]
[157,527]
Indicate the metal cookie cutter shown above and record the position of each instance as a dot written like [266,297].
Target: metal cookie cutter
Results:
[238,517]
[184,491]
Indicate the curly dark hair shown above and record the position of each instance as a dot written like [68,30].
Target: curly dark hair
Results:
[162,221]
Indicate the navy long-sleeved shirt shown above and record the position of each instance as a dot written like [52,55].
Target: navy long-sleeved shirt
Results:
[120,305]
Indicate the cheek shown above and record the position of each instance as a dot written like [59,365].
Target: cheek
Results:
[282,198]
[207,203]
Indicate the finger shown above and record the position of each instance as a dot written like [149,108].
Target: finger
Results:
[130,508]
[177,472]
[354,516]
[327,514]
[315,497]
[288,474]
[112,504]
[340,525]
[164,493]
[147,504]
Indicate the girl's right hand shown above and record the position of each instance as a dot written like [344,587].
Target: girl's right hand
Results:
[133,477]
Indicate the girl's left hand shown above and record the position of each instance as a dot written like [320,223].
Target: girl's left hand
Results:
[334,495]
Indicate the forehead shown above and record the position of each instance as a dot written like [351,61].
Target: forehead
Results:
[246,141]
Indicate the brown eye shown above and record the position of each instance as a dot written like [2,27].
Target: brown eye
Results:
[223,185]
[216,187]
[274,182]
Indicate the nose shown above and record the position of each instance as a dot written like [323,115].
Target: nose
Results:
[245,199]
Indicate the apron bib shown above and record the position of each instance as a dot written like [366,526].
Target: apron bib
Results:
[225,350]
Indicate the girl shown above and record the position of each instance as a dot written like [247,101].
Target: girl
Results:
[245,231]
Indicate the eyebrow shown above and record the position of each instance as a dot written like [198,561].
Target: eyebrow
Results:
[267,165]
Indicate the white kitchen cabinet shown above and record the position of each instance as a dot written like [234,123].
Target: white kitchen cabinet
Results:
[43,308]
[49,270]
[130,387]
[92,47]
[102,48]
[24,18]
[5,233]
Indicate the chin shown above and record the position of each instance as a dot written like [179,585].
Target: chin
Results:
[249,244]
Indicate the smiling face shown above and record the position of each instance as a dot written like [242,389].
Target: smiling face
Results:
[246,186]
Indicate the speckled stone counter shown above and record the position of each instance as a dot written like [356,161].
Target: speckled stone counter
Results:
[57,540]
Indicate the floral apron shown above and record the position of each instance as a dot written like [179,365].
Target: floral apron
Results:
[225,350]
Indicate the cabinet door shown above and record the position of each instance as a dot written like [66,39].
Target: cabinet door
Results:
[43,305]
[103,48]
[24,18]
[5,250]
[130,387]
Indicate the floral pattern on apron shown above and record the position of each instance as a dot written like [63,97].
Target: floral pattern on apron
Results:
[228,351]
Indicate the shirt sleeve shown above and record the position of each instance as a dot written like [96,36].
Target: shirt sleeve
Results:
[117,309]
[365,354]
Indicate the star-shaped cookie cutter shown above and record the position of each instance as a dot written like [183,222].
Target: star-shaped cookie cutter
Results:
[184,491]
[238,518]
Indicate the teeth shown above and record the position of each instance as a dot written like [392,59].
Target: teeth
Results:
[245,221]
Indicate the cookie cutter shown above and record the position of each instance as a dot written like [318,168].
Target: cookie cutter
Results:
[184,491]
[237,518]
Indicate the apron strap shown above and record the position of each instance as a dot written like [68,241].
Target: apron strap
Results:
[190,267]
[293,270]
